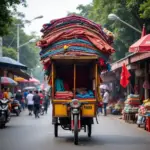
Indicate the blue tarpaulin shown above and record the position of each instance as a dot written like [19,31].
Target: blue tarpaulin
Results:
[10,63]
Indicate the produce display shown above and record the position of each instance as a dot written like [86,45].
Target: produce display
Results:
[130,109]
[133,100]
[146,104]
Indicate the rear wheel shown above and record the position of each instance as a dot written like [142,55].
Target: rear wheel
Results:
[76,140]
[89,130]
[56,130]
[2,125]
[17,113]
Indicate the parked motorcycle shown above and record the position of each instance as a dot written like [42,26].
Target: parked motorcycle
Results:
[4,112]
[42,110]
[15,107]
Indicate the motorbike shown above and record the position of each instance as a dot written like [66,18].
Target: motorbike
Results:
[42,110]
[15,107]
[75,121]
[4,112]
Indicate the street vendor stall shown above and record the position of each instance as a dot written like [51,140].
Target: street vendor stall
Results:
[144,115]
[131,108]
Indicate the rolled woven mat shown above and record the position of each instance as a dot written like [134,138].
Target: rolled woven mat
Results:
[76,26]
[75,48]
[70,45]
[97,41]
[66,42]
[55,22]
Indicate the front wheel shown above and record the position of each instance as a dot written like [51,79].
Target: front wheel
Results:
[42,112]
[76,140]
[89,130]
[2,122]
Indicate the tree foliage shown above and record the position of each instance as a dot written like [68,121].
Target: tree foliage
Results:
[6,14]
[145,9]
[131,11]
[29,54]
[10,52]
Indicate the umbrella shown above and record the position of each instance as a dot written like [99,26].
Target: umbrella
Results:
[142,45]
[30,88]
[8,81]
[19,79]
[104,86]
[33,80]
[9,62]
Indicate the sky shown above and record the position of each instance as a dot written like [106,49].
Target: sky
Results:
[50,9]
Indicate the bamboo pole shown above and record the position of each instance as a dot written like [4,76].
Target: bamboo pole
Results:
[74,84]
[53,80]
[96,79]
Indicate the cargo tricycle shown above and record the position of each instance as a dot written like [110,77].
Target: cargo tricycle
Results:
[76,113]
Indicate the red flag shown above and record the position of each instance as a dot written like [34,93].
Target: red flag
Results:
[125,74]
[143,31]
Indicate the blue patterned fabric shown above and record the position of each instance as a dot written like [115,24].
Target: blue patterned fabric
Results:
[65,42]
[89,94]
[75,48]
[59,85]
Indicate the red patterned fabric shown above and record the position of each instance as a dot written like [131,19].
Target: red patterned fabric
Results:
[69,34]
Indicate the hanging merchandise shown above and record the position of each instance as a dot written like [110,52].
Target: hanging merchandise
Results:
[125,75]
[136,89]
[139,72]
[146,84]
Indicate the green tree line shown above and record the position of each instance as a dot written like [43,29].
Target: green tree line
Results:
[134,12]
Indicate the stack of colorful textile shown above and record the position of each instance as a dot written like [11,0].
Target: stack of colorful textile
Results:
[86,94]
[147,104]
[133,100]
[130,109]
[75,36]
[64,95]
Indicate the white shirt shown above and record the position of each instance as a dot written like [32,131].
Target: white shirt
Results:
[30,99]
[106,97]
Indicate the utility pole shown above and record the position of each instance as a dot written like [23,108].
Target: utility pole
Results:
[18,42]
[1,46]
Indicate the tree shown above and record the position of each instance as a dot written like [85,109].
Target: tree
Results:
[6,14]
[129,11]
[145,9]
[29,53]
[10,52]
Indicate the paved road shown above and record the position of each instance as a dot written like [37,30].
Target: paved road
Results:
[28,133]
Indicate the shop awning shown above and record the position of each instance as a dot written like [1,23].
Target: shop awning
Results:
[20,73]
[6,62]
[142,45]
[20,79]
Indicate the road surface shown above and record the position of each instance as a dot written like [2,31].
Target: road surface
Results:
[27,133]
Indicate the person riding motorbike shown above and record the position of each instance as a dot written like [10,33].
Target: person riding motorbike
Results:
[6,97]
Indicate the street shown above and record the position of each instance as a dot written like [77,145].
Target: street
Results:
[27,133]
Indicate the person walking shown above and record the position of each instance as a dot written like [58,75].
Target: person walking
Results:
[25,97]
[46,102]
[41,97]
[36,99]
[105,101]
[30,102]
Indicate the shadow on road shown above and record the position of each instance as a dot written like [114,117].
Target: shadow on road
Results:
[104,139]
